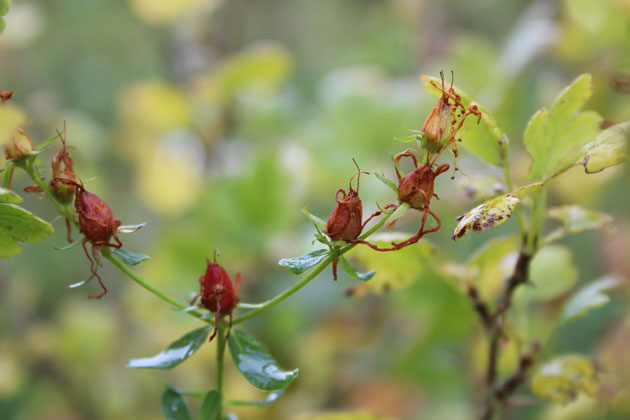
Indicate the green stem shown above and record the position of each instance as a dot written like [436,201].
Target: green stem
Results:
[220,353]
[261,307]
[157,292]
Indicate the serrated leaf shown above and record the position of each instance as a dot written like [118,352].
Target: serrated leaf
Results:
[211,406]
[19,225]
[609,148]
[353,272]
[129,257]
[485,216]
[298,265]
[174,405]
[253,360]
[271,397]
[563,378]
[394,270]
[485,139]
[552,273]
[391,184]
[552,137]
[587,299]
[180,350]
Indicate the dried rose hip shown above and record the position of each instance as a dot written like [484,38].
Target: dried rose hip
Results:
[217,293]
[96,222]
[62,169]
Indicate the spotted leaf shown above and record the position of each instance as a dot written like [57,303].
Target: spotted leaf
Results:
[486,216]
[562,379]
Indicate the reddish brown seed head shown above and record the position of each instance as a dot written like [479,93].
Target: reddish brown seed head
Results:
[217,291]
[439,124]
[5,95]
[344,222]
[96,220]
[62,168]
[416,188]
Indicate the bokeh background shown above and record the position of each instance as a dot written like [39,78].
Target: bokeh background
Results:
[216,121]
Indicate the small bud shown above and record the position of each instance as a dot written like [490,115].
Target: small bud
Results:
[62,169]
[19,146]
[438,125]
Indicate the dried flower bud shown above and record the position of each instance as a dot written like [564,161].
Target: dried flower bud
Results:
[19,146]
[96,220]
[217,292]
[440,123]
[62,169]
[416,188]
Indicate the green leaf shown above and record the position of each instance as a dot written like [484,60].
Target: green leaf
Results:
[4,7]
[552,137]
[391,184]
[576,219]
[253,360]
[486,265]
[587,299]
[9,197]
[482,188]
[551,274]
[211,406]
[353,272]
[19,225]
[609,148]
[485,216]
[176,353]
[45,143]
[563,378]
[316,221]
[298,265]
[485,139]
[271,397]
[129,257]
[174,405]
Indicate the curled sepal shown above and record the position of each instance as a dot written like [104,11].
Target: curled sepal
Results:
[131,228]
[563,378]
[609,148]
[253,360]
[486,216]
[180,350]
[298,265]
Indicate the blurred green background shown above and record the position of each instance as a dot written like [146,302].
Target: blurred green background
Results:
[218,120]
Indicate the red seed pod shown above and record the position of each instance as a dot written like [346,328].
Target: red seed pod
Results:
[96,222]
[217,292]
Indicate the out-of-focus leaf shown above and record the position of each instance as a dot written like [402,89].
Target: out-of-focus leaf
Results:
[9,197]
[253,360]
[211,406]
[391,184]
[609,148]
[551,137]
[298,265]
[485,139]
[271,397]
[552,273]
[129,257]
[489,265]
[19,225]
[352,415]
[394,270]
[174,405]
[176,353]
[485,216]
[11,118]
[482,188]
[576,219]
[563,378]
[353,272]
[587,299]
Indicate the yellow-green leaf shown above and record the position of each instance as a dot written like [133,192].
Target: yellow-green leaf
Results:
[608,149]
[587,299]
[19,225]
[563,378]
[486,216]
[485,139]
[551,274]
[552,137]
[576,219]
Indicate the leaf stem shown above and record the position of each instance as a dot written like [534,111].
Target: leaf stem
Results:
[220,354]
[261,307]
